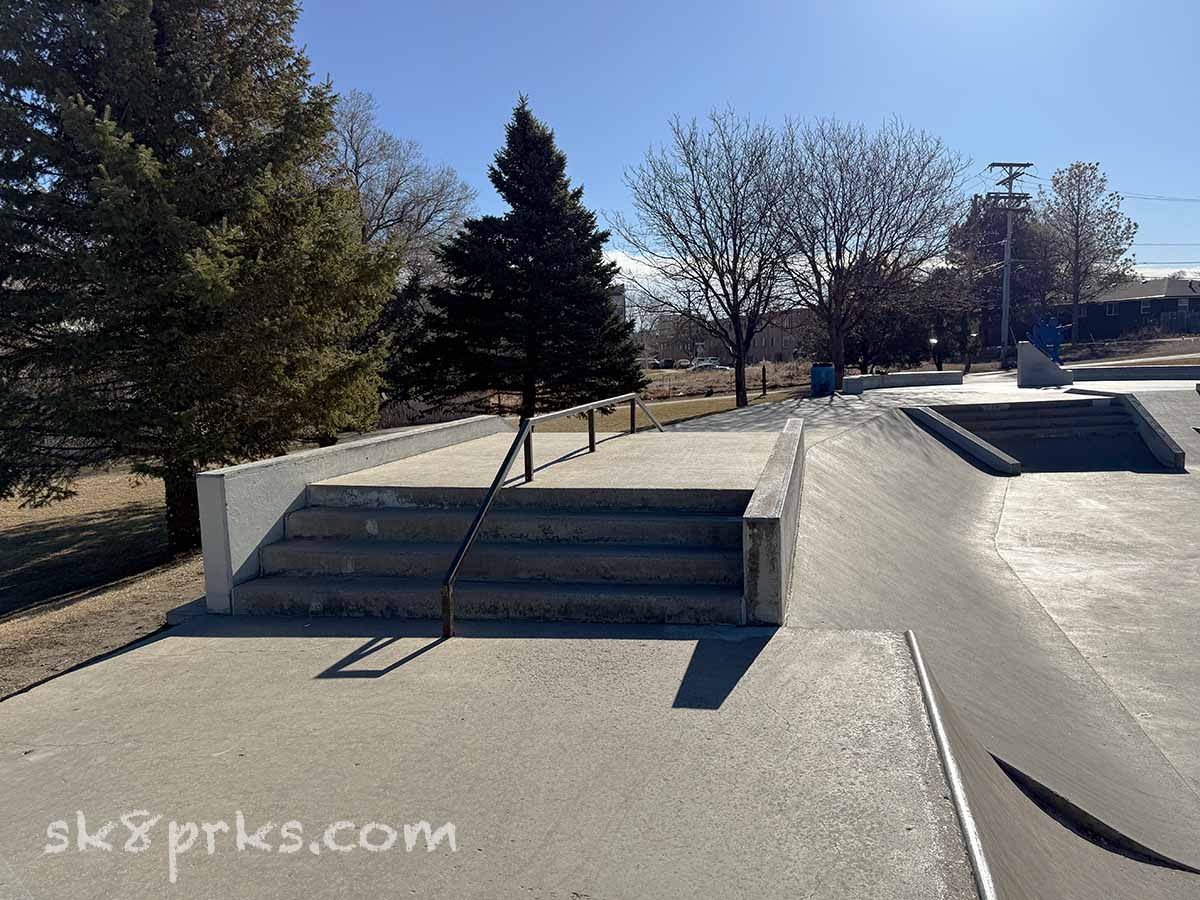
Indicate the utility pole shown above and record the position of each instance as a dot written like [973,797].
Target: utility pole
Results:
[1011,202]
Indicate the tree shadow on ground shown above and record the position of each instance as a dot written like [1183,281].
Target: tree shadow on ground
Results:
[46,559]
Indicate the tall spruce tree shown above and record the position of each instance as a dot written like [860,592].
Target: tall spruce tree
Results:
[525,306]
[175,291]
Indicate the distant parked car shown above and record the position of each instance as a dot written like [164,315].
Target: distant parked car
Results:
[709,365]
[668,363]
[683,363]
[649,362]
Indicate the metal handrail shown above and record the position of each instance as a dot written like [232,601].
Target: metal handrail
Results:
[525,437]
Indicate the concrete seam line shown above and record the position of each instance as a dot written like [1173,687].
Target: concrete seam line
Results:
[954,780]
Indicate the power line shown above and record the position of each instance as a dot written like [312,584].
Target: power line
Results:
[1147,244]
[1135,195]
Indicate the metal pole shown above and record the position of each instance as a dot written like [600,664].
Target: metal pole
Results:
[591,431]
[447,611]
[764,379]
[529,456]
[633,417]
[1007,283]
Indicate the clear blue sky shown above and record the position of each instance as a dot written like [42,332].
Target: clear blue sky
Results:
[1049,82]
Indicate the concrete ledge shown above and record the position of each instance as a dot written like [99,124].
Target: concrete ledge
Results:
[242,508]
[1161,444]
[856,384]
[967,441]
[769,527]
[1135,373]
[1036,369]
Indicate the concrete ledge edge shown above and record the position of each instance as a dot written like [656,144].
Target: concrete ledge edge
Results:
[1161,444]
[976,447]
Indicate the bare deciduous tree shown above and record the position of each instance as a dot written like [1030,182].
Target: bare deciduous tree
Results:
[708,231]
[867,213]
[404,200]
[1089,233]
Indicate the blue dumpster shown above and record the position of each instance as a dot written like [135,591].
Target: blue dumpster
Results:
[822,380]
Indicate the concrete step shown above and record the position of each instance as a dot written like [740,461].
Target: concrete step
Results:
[533,525]
[1043,407]
[1020,422]
[1033,432]
[622,563]
[730,502]
[420,599]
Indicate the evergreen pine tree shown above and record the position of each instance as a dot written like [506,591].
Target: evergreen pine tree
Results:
[175,290]
[525,307]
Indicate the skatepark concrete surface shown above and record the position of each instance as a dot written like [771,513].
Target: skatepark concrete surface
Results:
[1055,610]
[1057,613]
[585,761]
[650,460]
[825,417]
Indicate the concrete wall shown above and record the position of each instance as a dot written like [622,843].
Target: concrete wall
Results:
[856,384]
[769,529]
[1135,373]
[242,508]
[1036,369]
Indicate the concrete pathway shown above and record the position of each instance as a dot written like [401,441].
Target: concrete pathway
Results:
[573,762]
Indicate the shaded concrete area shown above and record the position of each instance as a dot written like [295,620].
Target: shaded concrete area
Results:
[645,460]
[573,761]
[898,531]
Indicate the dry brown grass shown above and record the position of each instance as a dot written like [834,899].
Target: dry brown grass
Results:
[666,412]
[114,527]
[40,643]
[85,576]
[667,383]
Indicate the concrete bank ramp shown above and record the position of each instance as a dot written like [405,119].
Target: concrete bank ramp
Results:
[897,531]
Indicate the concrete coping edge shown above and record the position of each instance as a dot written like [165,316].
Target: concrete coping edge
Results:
[979,449]
[1161,435]
[954,779]
[770,494]
[305,456]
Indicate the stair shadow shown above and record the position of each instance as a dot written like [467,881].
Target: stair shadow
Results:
[714,671]
[341,668]
[519,478]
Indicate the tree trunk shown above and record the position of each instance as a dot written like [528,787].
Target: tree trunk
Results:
[183,509]
[837,354]
[739,379]
[1076,322]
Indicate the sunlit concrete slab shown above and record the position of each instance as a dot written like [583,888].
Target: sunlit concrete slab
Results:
[572,762]
[649,460]
[825,417]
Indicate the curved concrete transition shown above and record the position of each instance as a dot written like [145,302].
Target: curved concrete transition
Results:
[898,531]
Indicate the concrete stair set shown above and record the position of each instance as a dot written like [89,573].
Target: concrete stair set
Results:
[597,555]
[1004,424]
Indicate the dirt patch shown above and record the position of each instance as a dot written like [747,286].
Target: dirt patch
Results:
[35,645]
[114,527]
